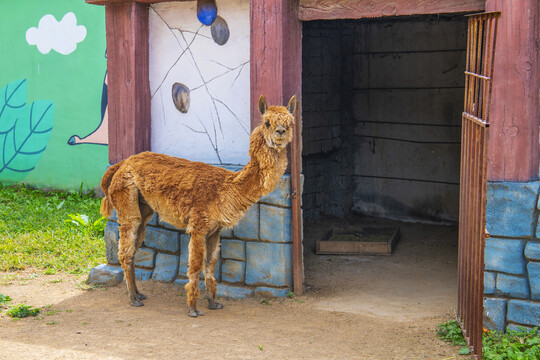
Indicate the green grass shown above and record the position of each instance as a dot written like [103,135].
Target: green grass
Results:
[4,299]
[520,344]
[52,231]
[22,311]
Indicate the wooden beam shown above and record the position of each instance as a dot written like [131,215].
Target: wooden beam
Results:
[108,2]
[276,68]
[357,9]
[515,109]
[129,86]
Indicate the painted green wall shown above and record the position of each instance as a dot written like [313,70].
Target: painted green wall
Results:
[72,82]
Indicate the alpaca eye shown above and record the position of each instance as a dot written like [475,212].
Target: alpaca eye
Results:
[267,124]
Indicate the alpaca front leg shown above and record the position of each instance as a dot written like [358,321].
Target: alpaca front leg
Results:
[196,255]
[212,253]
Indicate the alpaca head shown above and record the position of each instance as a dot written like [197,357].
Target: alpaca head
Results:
[277,123]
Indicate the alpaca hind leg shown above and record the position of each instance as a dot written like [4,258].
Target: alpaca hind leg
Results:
[196,256]
[126,254]
[212,253]
[126,201]
[146,214]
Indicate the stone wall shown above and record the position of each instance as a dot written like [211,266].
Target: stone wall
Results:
[512,256]
[255,256]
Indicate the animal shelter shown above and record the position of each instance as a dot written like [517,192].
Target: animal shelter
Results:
[379,130]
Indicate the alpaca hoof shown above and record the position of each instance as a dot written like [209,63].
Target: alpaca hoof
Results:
[215,306]
[140,296]
[136,303]
[195,313]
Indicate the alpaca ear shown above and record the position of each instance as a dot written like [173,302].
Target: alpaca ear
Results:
[292,105]
[262,104]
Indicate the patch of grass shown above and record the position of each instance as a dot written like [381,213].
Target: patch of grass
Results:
[37,230]
[265,302]
[520,344]
[22,311]
[4,299]
[450,331]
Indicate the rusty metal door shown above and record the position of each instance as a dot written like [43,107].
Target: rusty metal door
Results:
[473,177]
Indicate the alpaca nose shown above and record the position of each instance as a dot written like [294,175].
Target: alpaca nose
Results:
[280,130]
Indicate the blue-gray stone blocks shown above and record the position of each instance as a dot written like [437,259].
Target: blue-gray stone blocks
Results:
[275,224]
[513,286]
[264,291]
[143,274]
[154,220]
[505,255]
[226,233]
[233,249]
[248,226]
[281,195]
[532,250]
[533,268]
[495,314]
[512,254]
[166,267]
[233,271]
[161,239]
[105,275]
[524,312]
[489,283]
[511,208]
[184,255]
[224,290]
[111,242]
[268,264]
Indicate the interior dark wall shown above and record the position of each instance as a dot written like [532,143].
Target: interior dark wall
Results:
[328,146]
[381,117]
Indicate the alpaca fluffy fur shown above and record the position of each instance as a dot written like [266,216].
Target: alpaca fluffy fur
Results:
[196,196]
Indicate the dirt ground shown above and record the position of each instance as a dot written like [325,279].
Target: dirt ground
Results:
[355,307]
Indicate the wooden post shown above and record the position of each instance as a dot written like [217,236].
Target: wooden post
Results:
[276,63]
[129,86]
[515,110]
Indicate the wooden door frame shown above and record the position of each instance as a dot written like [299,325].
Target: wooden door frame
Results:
[309,10]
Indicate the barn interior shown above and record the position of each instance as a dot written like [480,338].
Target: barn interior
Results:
[382,103]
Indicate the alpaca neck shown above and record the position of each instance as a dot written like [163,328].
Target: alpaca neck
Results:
[264,169]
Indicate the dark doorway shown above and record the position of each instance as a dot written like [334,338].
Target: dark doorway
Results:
[382,104]
[382,118]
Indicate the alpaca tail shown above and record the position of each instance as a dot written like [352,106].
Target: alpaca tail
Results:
[106,208]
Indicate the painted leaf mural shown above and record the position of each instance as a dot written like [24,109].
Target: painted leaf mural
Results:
[12,100]
[25,130]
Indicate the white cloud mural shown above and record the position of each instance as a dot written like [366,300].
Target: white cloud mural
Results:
[209,119]
[61,36]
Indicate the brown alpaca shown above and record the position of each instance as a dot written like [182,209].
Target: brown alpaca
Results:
[199,197]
